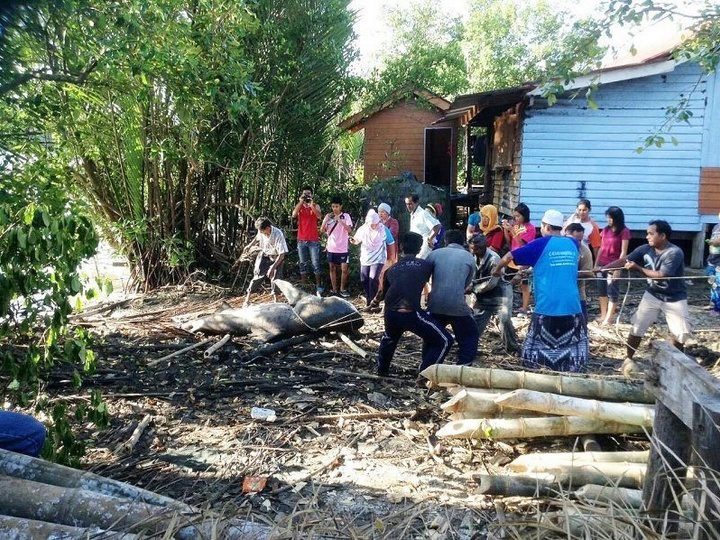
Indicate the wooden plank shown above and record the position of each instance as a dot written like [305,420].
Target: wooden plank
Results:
[706,465]
[666,470]
[680,382]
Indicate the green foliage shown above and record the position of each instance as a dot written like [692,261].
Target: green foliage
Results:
[43,238]
[425,54]
[509,43]
[186,118]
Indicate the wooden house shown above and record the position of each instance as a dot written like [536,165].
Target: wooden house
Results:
[550,156]
[403,135]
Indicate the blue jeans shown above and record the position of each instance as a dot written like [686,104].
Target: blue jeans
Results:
[308,249]
[714,273]
[21,433]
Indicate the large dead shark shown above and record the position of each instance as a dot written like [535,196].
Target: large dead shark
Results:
[302,314]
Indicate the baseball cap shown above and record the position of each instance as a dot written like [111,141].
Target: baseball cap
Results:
[553,217]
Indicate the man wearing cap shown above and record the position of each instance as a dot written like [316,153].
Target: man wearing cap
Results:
[422,223]
[557,337]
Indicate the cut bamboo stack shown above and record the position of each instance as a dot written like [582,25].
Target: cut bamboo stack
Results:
[500,404]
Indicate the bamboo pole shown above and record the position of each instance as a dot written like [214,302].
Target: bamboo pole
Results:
[153,363]
[628,413]
[14,528]
[627,497]
[481,402]
[81,508]
[21,466]
[128,446]
[529,462]
[517,428]
[622,474]
[516,486]
[215,347]
[571,385]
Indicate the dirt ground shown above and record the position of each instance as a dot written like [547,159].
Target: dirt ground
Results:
[321,473]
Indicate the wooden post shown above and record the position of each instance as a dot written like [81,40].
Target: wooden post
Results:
[469,161]
[666,469]
[706,466]
[698,248]
[686,431]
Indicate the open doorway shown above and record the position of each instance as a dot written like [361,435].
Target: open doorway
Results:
[438,156]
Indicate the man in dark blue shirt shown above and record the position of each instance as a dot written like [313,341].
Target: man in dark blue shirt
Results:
[402,285]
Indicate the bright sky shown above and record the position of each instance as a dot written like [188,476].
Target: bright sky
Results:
[373,33]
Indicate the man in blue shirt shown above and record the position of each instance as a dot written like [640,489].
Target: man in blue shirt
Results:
[557,337]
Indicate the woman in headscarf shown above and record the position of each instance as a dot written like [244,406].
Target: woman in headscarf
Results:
[373,237]
[491,228]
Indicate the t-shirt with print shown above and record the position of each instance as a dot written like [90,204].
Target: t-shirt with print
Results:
[403,283]
[338,235]
[611,245]
[714,257]
[274,244]
[671,262]
[307,224]
[555,270]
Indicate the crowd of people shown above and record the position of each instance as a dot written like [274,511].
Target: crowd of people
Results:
[433,279]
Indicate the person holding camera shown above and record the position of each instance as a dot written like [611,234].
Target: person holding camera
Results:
[308,214]
[337,226]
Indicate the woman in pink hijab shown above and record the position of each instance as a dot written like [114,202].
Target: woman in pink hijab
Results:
[373,238]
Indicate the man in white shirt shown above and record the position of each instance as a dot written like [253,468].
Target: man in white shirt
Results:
[269,263]
[422,223]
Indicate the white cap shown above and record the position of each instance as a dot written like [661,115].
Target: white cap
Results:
[553,217]
[384,206]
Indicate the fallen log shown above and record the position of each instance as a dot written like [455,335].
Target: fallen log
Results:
[21,466]
[80,508]
[362,353]
[570,385]
[517,428]
[628,413]
[481,402]
[14,528]
[217,346]
[153,363]
[529,462]
[516,486]
[626,497]
[624,474]
[128,446]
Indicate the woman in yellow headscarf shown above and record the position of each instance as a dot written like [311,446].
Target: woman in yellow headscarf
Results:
[491,228]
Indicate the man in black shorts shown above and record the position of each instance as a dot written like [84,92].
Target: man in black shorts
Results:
[402,285]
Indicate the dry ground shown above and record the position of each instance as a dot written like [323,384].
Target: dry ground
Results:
[387,476]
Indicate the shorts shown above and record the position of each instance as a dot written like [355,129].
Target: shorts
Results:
[676,315]
[338,258]
[607,285]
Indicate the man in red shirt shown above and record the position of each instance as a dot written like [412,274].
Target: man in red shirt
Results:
[307,214]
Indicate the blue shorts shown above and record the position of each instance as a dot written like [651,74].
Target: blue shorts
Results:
[338,258]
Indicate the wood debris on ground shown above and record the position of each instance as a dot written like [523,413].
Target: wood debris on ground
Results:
[349,454]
